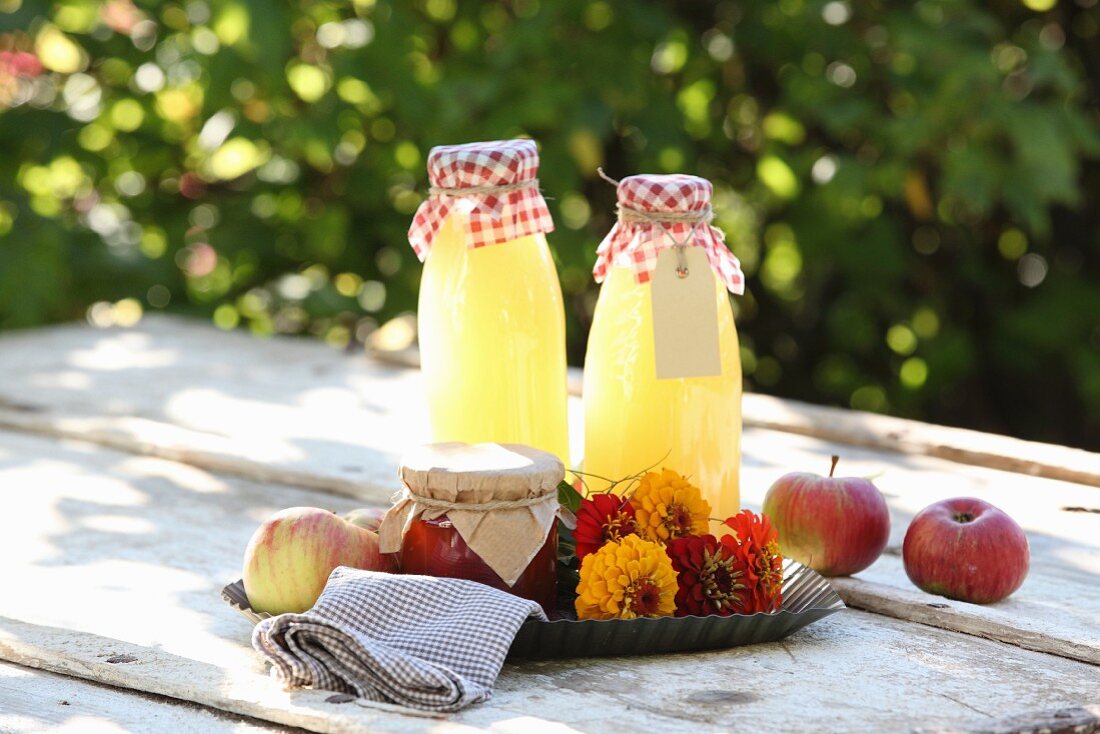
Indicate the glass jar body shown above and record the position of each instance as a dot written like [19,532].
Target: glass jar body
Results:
[435,548]
[634,420]
[492,342]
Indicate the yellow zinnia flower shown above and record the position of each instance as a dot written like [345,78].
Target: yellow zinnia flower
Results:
[667,506]
[628,579]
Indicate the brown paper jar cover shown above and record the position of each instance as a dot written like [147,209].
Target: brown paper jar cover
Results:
[471,474]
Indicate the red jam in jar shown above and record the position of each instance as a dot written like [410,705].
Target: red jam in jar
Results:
[482,512]
[434,548]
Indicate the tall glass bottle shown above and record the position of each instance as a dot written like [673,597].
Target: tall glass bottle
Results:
[633,418]
[491,320]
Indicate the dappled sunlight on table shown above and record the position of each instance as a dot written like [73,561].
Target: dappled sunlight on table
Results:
[122,546]
[123,351]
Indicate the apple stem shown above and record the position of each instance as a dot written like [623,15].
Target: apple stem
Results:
[833,467]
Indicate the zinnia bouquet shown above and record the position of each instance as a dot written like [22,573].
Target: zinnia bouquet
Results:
[649,553]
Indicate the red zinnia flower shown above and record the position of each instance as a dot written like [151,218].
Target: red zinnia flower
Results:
[600,518]
[755,542]
[710,577]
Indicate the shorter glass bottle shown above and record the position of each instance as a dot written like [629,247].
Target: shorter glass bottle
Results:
[482,512]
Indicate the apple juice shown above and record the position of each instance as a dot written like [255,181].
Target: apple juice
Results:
[632,419]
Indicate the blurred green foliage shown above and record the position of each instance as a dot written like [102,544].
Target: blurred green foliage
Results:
[913,188]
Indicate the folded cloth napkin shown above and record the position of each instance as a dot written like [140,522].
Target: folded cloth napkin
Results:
[426,643]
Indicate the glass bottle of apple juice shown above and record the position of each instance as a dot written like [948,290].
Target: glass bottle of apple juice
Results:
[490,318]
[662,375]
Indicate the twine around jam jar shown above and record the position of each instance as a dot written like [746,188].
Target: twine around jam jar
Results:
[432,503]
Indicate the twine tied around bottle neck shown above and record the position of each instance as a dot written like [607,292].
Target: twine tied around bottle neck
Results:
[431,503]
[696,218]
[531,183]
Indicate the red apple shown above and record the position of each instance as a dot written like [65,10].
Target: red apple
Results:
[835,525]
[369,518]
[290,557]
[966,549]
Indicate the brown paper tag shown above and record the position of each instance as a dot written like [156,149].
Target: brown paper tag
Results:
[685,319]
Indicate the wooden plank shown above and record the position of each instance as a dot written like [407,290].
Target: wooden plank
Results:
[130,546]
[125,555]
[1074,720]
[78,381]
[148,669]
[253,457]
[906,674]
[297,412]
[34,701]
[923,439]
[1017,621]
[269,409]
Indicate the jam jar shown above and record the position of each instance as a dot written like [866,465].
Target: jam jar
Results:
[482,512]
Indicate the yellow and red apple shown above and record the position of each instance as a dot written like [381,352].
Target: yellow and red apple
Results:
[366,517]
[290,557]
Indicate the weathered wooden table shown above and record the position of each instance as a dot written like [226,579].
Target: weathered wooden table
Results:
[135,464]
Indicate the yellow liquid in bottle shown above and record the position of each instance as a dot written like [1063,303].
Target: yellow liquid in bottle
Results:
[633,420]
[492,342]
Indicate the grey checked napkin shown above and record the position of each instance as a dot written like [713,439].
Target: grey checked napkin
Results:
[426,643]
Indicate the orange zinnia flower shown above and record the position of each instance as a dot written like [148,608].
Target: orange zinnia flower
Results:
[755,542]
[667,506]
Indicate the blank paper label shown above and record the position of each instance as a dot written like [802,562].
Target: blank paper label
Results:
[685,316]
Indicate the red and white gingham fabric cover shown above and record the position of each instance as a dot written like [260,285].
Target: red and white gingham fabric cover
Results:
[635,244]
[489,217]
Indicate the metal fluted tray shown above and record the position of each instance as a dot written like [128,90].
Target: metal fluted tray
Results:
[234,595]
[807,597]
